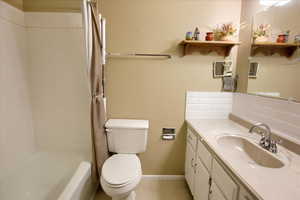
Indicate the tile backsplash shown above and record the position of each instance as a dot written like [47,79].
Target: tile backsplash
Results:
[208,105]
[282,116]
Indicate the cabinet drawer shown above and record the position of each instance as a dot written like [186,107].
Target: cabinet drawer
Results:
[224,181]
[204,155]
[191,138]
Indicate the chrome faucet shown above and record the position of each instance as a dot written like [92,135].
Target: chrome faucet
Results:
[266,141]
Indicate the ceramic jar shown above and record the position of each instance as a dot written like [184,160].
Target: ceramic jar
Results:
[281,39]
[189,35]
[209,36]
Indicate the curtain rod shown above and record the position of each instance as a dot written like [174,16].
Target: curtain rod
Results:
[140,54]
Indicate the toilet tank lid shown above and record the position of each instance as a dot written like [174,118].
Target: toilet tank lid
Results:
[127,123]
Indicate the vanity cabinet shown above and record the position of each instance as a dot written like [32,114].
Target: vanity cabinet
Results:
[202,181]
[224,181]
[206,178]
[215,193]
[189,166]
[244,195]
[196,173]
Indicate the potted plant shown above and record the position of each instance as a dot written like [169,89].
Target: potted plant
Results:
[225,32]
[261,34]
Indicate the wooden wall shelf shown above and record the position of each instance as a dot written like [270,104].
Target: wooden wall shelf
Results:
[270,48]
[222,48]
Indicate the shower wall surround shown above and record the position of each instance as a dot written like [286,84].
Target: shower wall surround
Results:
[58,82]
[17,139]
[44,101]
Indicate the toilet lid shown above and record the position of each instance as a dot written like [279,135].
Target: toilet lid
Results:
[121,168]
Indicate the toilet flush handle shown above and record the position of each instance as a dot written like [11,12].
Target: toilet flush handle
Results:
[107,130]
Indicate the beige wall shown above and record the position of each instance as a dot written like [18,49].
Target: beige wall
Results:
[58,84]
[154,89]
[16,3]
[17,139]
[52,5]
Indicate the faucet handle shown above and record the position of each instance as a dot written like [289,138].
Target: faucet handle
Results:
[273,146]
[262,140]
[279,141]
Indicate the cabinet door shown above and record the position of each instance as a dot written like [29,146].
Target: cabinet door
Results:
[226,184]
[189,169]
[204,155]
[215,193]
[201,182]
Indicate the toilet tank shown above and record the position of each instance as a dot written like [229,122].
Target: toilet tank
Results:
[127,135]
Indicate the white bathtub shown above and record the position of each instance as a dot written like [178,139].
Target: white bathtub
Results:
[81,186]
[44,176]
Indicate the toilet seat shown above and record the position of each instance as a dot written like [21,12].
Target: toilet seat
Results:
[121,169]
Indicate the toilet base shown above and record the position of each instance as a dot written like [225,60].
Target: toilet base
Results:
[131,196]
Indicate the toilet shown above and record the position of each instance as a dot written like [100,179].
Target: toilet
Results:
[122,172]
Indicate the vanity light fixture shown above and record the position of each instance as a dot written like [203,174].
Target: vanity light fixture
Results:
[274,2]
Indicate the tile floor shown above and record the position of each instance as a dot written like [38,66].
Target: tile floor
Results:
[158,190]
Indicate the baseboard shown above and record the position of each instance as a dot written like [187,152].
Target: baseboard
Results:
[163,177]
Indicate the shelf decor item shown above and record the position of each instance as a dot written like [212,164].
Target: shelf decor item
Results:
[297,39]
[287,36]
[209,36]
[262,33]
[281,38]
[196,34]
[225,32]
[189,35]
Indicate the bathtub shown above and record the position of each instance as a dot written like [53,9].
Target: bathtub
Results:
[81,186]
[48,176]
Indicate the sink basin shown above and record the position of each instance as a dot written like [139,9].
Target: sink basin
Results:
[248,151]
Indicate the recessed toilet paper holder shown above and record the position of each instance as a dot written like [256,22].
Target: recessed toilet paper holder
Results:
[168,134]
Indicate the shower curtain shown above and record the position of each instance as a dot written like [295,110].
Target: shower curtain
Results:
[95,51]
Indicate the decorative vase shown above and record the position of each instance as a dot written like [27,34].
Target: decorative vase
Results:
[226,38]
[261,39]
[209,36]
[281,39]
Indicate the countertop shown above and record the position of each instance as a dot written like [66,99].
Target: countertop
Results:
[266,183]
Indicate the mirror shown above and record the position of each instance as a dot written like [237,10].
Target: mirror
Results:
[274,63]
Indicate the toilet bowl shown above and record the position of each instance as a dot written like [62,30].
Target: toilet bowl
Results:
[121,174]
